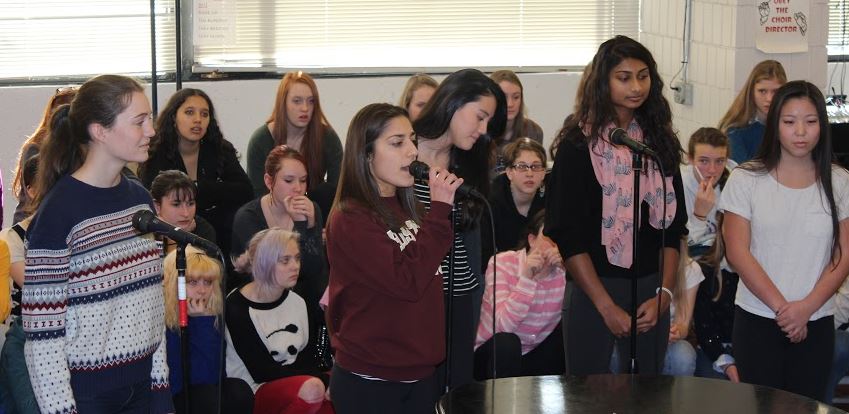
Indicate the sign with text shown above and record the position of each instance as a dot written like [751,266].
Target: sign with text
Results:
[782,26]
[214,22]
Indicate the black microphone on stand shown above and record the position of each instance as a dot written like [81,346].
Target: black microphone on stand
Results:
[146,222]
[421,171]
[618,136]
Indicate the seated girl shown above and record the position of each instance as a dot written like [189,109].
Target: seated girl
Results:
[714,313]
[529,297]
[271,332]
[175,199]
[205,303]
[517,195]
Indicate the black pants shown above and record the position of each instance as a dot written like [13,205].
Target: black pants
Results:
[765,356]
[132,399]
[548,358]
[590,344]
[465,314]
[352,394]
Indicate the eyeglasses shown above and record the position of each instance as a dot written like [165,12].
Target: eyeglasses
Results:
[522,167]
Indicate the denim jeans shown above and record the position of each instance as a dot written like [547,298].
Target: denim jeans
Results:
[680,359]
[840,366]
[15,388]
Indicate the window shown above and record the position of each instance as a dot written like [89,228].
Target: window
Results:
[45,39]
[406,35]
[838,28]
[50,38]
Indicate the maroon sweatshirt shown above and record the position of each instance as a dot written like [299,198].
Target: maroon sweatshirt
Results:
[386,311]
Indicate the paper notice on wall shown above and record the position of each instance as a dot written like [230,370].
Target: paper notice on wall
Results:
[783,26]
[214,22]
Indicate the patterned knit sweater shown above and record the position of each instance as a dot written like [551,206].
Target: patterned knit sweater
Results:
[92,301]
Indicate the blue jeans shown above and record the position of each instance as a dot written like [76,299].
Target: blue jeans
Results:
[680,359]
[840,366]
[15,388]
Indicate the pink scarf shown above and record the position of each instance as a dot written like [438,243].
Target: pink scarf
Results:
[612,167]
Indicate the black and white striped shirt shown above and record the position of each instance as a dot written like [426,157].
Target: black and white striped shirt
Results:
[464,277]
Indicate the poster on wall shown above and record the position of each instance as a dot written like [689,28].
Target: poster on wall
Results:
[214,22]
[782,26]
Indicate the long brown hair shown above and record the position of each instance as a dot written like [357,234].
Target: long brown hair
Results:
[595,109]
[99,100]
[356,182]
[61,97]
[520,127]
[769,153]
[743,109]
[311,146]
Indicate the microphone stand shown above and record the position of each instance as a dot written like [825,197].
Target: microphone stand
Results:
[184,323]
[637,168]
[449,306]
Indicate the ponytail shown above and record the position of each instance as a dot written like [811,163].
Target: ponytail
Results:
[61,154]
[98,101]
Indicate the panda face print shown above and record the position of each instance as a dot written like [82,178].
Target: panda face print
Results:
[287,337]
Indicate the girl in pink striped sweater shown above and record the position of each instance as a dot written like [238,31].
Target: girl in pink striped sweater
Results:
[529,286]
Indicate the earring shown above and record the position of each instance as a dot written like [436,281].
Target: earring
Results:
[542,191]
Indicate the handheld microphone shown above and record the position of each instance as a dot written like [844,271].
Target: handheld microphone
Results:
[421,171]
[146,222]
[618,136]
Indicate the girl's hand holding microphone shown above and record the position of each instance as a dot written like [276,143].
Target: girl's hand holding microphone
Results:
[443,185]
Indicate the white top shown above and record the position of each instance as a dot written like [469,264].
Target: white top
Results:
[701,232]
[692,277]
[791,234]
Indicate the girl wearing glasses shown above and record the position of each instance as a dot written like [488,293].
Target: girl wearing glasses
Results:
[517,195]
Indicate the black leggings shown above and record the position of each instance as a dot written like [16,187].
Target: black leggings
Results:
[353,394]
[765,356]
[548,358]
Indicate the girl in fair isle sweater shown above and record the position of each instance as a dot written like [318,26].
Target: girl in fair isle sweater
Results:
[92,301]
[529,285]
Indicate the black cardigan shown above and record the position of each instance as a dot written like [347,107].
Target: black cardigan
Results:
[509,224]
[219,195]
[573,213]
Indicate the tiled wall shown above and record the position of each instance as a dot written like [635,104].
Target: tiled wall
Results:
[722,53]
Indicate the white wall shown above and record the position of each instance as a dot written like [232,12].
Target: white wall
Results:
[242,106]
[723,53]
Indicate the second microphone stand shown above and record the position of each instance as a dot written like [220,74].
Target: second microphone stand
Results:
[637,169]
[184,323]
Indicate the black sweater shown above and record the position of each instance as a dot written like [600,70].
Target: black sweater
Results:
[573,213]
[509,224]
[219,194]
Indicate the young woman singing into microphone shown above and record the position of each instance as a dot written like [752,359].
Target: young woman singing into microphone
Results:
[386,312]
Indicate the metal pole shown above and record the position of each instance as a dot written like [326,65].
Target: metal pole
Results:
[153,80]
[178,45]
